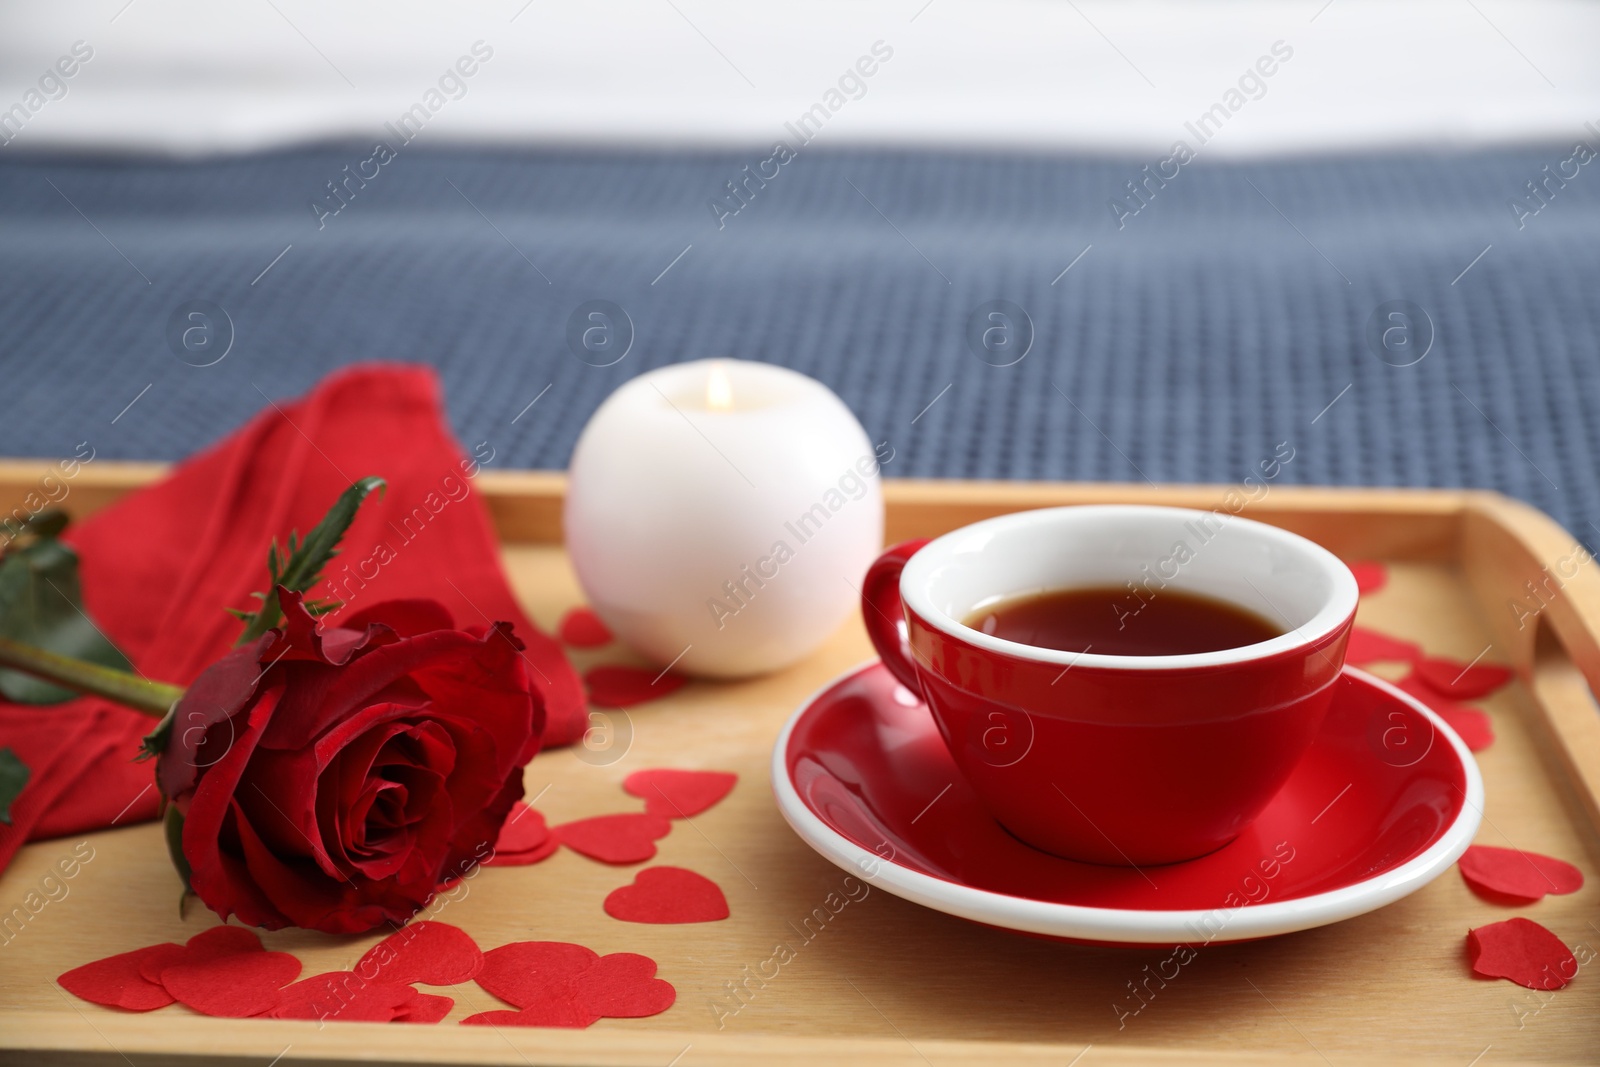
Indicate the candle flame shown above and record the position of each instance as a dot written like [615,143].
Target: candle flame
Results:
[719,390]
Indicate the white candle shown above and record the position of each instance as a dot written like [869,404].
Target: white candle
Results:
[720,515]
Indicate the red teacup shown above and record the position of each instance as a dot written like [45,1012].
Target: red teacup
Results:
[1126,760]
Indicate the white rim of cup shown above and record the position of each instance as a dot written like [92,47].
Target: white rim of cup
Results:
[1133,925]
[1337,609]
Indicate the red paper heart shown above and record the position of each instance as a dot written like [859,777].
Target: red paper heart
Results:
[524,839]
[1524,876]
[343,996]
[617,686]
[1456,679]
[432,953]
[115,982]
[556,983]
[234,986]
[582,628]
[206,945]
[679,794]
[1371,576]
[624,985]
[668,895]
[1523,952]
[523,859]
[424,1008]
[558,1013]
[529,973]
[524,830]
[1369,646]
[626,838]
[1473,727]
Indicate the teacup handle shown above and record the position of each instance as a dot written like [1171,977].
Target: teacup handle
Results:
[884,614]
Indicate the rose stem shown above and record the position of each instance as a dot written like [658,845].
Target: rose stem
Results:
[129,690]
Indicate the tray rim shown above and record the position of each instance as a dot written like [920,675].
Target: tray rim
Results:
[1494,539]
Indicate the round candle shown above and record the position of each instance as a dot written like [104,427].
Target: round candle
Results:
[720,515]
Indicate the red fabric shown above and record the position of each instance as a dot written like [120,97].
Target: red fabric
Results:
[160,565]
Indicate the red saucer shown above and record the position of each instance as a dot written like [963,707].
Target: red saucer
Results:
[1386,799]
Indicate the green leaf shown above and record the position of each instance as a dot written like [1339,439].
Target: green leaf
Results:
[300,566]
[41,604]
[14,774]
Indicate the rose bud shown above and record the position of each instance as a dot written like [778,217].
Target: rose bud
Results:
[333,779]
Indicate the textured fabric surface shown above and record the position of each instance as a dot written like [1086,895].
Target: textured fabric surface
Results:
[1220,319]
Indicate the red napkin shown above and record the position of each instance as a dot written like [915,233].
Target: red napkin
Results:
[160,565]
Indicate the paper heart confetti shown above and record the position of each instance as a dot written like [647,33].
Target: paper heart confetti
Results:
[1473,727]
[115,982]
[524,839]
[424,1008]
[668,895]
[1521,951]
[556,983]
[618,686]
[621,839]
[560,1013]
[1370,646]
[677,794]
[432,953]
[344,996]
[623,985]
[1371,576]
[1464,681]
[528,973]
[206,945]
[132,980]
[582,628]
[235,986]
[1520,876]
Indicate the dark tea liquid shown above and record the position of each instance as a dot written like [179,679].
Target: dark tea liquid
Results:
[1111,621]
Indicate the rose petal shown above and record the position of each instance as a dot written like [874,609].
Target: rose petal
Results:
[1371,576]
[432,953]
[668,895]
[678,794]
[407,617]
[623,985]
[617,686]
[625,838]
[343,996]
[529,973]
[1521,951]
[1369,646]
[1463,681]
[582,628]
[1526,876]
[562,1013]
[234,986]
[218,694]
[115,981]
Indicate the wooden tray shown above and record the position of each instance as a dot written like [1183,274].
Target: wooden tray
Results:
[889,982]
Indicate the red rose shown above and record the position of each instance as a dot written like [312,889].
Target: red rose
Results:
[333,778]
